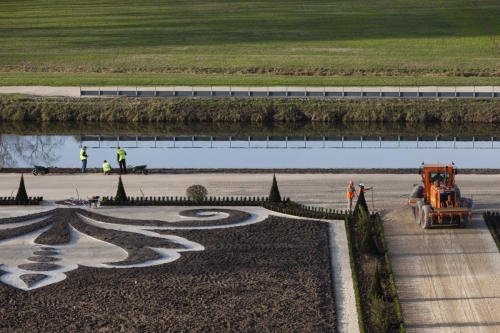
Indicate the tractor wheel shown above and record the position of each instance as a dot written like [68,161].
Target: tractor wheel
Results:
[34,172]
[418,212]
[463,222]
[426,219]
[458,192]
[418,192]
[145,171]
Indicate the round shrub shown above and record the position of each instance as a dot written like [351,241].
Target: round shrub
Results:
[196,193]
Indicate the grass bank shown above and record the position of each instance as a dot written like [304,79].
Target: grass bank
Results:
[298,42]
[181,110]
[65,79]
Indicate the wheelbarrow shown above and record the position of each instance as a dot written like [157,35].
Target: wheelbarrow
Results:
[93,201]
[139,168]
[39,169]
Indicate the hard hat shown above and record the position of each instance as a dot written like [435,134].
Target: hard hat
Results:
[361,185]
[351,183]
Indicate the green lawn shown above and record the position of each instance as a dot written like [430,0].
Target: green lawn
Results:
[212,42]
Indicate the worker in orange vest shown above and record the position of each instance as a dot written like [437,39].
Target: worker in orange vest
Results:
[351,192]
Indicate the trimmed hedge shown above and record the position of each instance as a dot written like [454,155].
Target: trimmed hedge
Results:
[11,201]
[354,276]
[184,201]
[486,217]
[292,208]
[397,305]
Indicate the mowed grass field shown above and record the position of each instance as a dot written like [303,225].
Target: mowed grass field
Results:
[214,42]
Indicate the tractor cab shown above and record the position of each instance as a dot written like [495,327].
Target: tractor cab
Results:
[438,201]
[437,178]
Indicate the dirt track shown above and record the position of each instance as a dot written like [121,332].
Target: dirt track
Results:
[447,278]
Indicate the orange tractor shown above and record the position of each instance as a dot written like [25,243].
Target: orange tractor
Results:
[438,200]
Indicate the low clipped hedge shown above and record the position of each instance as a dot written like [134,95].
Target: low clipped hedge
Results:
[286,206]
[397,305]
[354,276]
[491,218]
[184,201]
[360,283]
[11,201]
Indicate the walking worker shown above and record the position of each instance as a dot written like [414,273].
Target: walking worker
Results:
[351,192]
[120,156]
[83,158]
[106,167]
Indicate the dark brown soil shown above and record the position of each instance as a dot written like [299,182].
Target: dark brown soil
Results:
[42,259]
[478,171]
[39,267]
[31,279]
[273,276]
[24,217]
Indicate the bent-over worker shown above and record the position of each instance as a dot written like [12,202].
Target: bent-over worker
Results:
[106,167]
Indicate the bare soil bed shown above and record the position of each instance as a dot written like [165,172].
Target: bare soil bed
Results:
[273,276]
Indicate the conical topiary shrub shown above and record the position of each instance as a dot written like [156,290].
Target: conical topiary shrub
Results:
[376,290]
[360,203]
[368,246]
[22,196]
[274,196]
[121,196]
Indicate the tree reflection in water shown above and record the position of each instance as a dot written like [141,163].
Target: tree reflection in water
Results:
[30,150]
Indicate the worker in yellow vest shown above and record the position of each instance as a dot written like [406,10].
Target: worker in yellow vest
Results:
[106,167]
[120,156]
[83,158]
[351,192]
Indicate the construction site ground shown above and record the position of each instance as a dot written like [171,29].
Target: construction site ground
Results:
[446,278]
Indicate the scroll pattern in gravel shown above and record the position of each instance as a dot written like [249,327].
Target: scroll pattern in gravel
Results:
[58,233]
[273,276]
[137,245]
[23,230]
[235,216]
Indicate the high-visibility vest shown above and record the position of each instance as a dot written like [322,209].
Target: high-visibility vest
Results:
[122,154]
[350,192]
[83,155]
[106,167]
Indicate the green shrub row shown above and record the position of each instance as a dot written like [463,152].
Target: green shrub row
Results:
[292,208]
[397,305]
[487,215]
[5,201]
[184,201]
[354,276]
